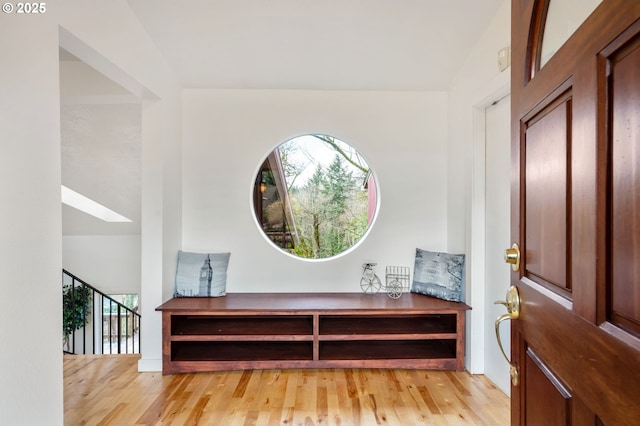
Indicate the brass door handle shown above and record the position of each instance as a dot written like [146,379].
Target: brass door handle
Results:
[513,307]
[512,257]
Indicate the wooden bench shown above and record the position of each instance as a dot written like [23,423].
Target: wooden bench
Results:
[311,330]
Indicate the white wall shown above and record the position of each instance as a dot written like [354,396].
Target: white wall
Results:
[30,224]
[108,36]
[227,135]
[477,85]
[111,263]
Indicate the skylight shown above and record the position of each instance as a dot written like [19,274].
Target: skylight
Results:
[87,205]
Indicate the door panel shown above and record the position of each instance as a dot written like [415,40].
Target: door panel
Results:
[624,89]
[546,144]
[548,402]
[575,212]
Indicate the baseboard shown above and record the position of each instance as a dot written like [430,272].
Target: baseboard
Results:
[149,365]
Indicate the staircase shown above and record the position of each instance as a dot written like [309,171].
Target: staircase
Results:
[94,323]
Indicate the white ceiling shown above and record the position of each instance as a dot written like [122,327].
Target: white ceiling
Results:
[254,44]
[316,44]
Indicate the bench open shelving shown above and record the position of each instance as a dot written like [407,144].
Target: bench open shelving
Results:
[311,330]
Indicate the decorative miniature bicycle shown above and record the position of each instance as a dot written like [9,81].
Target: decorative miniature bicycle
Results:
[370,282]
[396,280]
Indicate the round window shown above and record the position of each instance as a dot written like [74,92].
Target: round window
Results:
[314,197]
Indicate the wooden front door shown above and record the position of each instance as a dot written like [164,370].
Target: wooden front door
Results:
[575,210]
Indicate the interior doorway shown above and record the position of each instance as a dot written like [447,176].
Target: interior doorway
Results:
[100,146]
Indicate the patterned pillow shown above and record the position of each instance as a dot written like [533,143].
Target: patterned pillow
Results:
[201,274]
[439,275]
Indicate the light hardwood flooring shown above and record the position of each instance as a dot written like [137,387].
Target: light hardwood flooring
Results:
[108,390]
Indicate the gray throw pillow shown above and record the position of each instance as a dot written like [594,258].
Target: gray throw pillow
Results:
[439,275]
[201,274]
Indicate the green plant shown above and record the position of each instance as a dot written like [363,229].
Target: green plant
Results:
[76,309]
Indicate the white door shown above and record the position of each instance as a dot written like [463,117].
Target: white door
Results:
[497,234]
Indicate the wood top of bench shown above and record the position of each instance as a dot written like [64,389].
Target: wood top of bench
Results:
[315,302]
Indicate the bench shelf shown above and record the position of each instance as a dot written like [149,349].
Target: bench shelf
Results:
[311,330]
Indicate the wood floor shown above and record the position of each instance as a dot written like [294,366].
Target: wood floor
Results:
[108,390]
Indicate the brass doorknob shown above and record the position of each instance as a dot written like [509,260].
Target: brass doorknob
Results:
[512,303]
[512,256]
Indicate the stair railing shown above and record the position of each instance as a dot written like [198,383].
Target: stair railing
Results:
[109,328]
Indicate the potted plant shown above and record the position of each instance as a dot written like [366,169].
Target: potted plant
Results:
[76,310]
